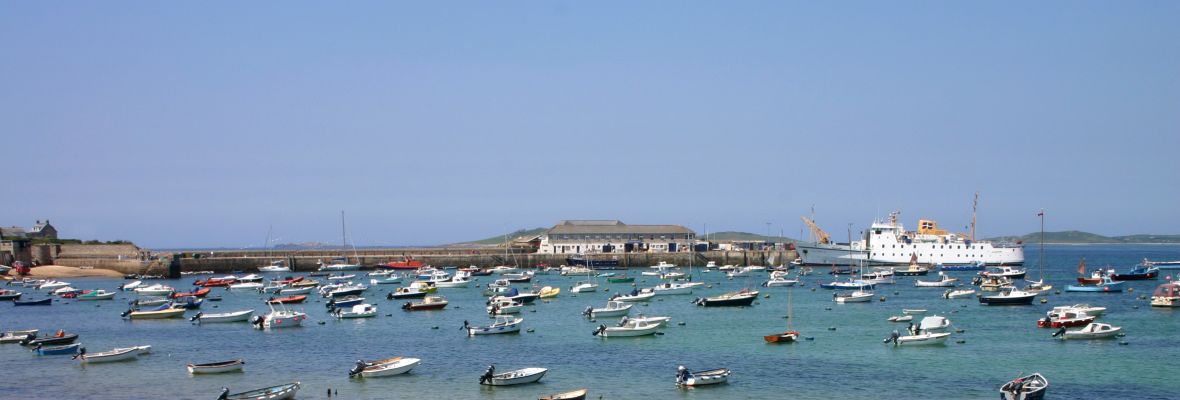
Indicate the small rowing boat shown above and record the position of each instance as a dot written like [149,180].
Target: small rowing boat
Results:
[386,367]
[287,300]
[570,395]
[280,392]
[701,378]
[67,350]
[236,316]
[108,356]
[217,367]
[43,302]
[517,377]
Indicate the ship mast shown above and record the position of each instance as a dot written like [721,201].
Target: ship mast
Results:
[974,206]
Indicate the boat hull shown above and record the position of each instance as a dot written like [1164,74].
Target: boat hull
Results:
[518,377]
[238,316]
[216,368]
[398,367]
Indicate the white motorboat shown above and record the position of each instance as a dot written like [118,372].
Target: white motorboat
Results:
[780,279]
[388,367]
[701,378]
[217,367]
[934,324]
[504,269]
[661,321]
[958,294]
[150,301]
[913,311]
[131,285]
[921,339]
[517,377]
[272,288]
[109,356]
[53,285]
[612,309]
[856,296]
[275,266]
[944,281]
[280,318]
[628,329]
[457,281]
[636,296]
[236,316]
[97,294]
[251,278]
[139,350]
[17,336]
[671,288]
[584,287]
[575,270]
[501,305]
[901,318]
[245,286]
[357,311]
[296,290]
[1085,308]
[1093,330]
[155,290]
[503,324]
[341,277]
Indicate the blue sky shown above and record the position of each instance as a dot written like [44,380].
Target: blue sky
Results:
[201,124]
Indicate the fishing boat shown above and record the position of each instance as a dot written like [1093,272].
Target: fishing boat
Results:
[108,356]
[287,300]
[958,294]
[635,296]
[549,292]
[6,295]
[919,339]
[628,329]
[503,324]
[202,292]
[570,395]
[1166,295]
[280,318]
[357,311]
[856,296]
[701,378]
[1066,319]
[1107,285]
[612,309]
[163,312]
[1009,298]
[280,392]
[517,377]
[216,368]
[43,302]
[428,303]
[1093,330]
[387,367]
[1140,273]
[236,316]
[155,290]
[913,269]
[673,288]
[17,336]
[741,298]
[790,335]
[60,338]
[406,293]
[67,350]
[944,281]
[1031,387]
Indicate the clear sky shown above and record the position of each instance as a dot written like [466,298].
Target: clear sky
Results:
[203,123]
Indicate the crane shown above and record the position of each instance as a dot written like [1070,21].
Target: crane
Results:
[821,237]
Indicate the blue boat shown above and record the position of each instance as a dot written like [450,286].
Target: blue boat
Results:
[1141,273]
[1106,286]
[43,302]
[188,302]
[67,350]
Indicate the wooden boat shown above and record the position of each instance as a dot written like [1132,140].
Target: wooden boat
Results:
[1166,295]
[6,294]
[236,316]
[628,329]
[1066,319]
[785,337]
[43,302]
[1093,330]
[216,368]
[1012,297]
[96,295]
[1107,285]
[1138,274]
[549,292]
[287,300]
[357,311]
[502,325]
[612,309]
[200,293]
[387,367]
[280,392]
[578,394]
[517,377]
[428,303]
[164,312]
[739,298]
[17,336]
[108,356]
[59,339]
[701,378]
[1032,387]
[67,350]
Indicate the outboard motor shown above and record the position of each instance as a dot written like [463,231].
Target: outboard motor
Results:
[258,321]
[588,311]
[681,374]
[356,369]
[197,316]
[599,331]
[389,296]
[893,337]
[1059,332]
[128,312]
[465,325]
[224,393]
[487,375]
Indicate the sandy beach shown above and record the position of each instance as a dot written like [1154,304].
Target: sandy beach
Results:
[58,271]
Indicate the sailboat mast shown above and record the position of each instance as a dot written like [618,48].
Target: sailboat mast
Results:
[1041,257]
[343,239]
[974,207]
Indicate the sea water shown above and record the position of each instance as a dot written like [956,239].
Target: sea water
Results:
[845,357]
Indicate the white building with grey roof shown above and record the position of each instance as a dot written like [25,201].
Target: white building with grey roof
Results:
[613,236]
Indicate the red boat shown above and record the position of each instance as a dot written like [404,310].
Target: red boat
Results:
[215,282]
[202,292]
[288,300]
[1067,320]
[785,337]
[288,281]
[407,264]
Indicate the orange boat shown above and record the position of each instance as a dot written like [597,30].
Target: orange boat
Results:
[202,292]
[215,282]
[785,337]
[287,300]
[288,281]
[407,264]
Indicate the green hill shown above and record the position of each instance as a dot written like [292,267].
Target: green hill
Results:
[498,240]
[1079,237]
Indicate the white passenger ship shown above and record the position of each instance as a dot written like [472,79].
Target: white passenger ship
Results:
[888,243]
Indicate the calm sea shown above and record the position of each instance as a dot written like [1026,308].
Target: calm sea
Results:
[846,359]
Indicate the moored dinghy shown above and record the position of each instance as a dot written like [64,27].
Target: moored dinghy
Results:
[386,367]
[517,377]
[280,392]
[67,350]
[1030,387]
[739,298]
[570,395]
[628,329]
[1093,330]
[236,316]
[17,336]
[217,367]
[701,378]
[503,324]
[108,356]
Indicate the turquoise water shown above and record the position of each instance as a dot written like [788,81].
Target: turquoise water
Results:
[849,362]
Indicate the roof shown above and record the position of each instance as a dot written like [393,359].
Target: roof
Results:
[41,225]
[578,227]
[15,232]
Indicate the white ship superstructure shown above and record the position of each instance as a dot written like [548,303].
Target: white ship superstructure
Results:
[888,243]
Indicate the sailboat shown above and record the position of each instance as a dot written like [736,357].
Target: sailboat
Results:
[341,264]
[790,335]
[1039,286]
[861,294]
[275,265]
[590,285]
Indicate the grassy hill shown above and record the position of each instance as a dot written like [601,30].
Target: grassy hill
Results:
[714,236]
[1079,237]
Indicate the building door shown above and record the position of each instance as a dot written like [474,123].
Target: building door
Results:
[671,247]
